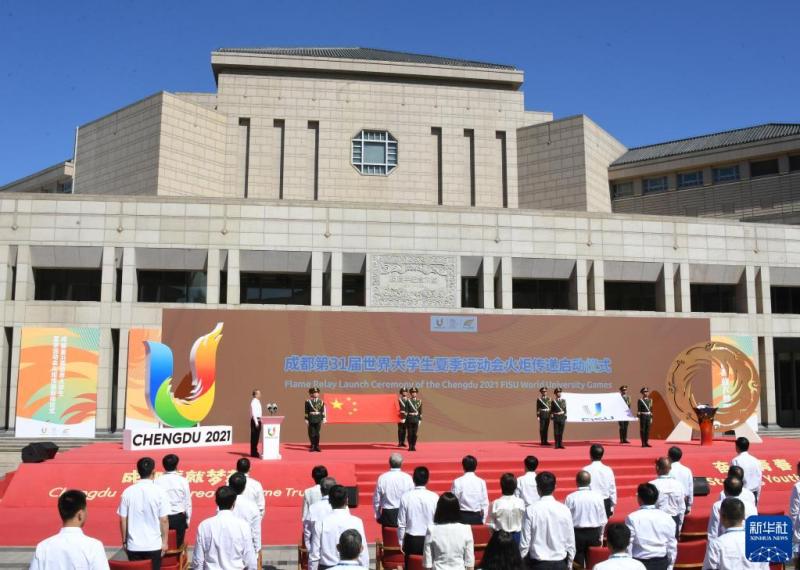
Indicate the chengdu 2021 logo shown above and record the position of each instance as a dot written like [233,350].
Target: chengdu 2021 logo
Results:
[190,409]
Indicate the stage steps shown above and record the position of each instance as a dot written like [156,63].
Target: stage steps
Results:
[10,444]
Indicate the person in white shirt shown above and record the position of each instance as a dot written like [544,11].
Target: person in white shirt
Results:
[732,487]
[246,510]
[415,515]
[794,513]
[143,511]
[670,493]
[526,484]
[653,541]
[508,511]
[389,489]
[180,497]
[318,510]
[471,493]
[256,411]
[588,516]
[70,548]
[449,544]
[314,494]
[683,475]
[350,548]
[727,551]
[325,534]
[603,480]
[253,491]
[224,541]
[548,538]
[619,539]
[750,465]
[747,496]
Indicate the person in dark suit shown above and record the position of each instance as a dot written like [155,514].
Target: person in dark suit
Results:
[623,426]
[413,418]
[644,409]
[401,425]
[315,417]
[558,411]
[543,413]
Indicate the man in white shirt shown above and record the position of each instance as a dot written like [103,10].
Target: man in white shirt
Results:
[318,510]
[548,538]
[603,480]
[794,513]
[256,411]
[313,494]
[224,541]
[619,538]
[526,484]
[70,548]
[727,551]
[471,492]
[389,489]
[653,541]
[683,475]
[670,493]
[246,510]
[415,515]
[180,497]
[732,487]
[750,465]
[325,534]
[588,516]
[253,491]
[736,472]
[350,548]
[143,512]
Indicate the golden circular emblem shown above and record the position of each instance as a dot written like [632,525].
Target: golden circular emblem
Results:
[727,372]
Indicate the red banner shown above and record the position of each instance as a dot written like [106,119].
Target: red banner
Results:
[362,408]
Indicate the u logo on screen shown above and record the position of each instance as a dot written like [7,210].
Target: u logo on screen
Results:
[190,410]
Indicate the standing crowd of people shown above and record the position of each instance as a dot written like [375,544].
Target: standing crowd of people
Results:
[530,528]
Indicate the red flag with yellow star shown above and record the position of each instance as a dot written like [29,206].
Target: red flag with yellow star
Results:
[362,408]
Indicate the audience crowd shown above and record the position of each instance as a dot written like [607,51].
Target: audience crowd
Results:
[526,527]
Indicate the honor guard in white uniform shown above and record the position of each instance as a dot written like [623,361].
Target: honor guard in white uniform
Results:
[470,490]
[254,492]
[417,508]
[750,465]
[653,541]
[70,548]
[547,532]
[389,489]
[588,516]
[224,541]
[683,475]
[314,493]
[670,493]
[619,540]
[603,480]
[180,497]
[727,551]
[526,484]
[732,487]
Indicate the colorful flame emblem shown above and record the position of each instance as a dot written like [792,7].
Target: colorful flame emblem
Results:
[191,410]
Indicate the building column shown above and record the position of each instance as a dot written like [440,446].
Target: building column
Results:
[750,289]
[487,282]
[336,278]
[764,291]
[122,378]
[506,283]
[668,286]
[12,388]
[25,284]
[106,358]
[108,274]
[766,371]
[316,278]
[6,274]
[212,277]
[129,284]
[684,288]
[234,278]
[597,301]
[580,287]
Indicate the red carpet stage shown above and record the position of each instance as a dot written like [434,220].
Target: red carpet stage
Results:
[28,505]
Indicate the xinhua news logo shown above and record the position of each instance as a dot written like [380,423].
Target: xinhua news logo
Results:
[768,538]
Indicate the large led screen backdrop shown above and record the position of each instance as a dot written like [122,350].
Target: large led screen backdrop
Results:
[478,375]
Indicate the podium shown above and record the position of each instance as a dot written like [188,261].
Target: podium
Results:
[271,437]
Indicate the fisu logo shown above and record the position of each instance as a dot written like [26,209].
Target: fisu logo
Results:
[191,410]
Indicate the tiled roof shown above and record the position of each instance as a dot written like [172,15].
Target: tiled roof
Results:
[708,142]
[368,54]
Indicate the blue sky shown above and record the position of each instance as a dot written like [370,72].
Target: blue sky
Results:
[646,71]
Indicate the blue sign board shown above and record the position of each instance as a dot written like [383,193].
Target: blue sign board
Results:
[768,538]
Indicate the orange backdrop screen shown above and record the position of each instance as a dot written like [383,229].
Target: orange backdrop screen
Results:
[478,375]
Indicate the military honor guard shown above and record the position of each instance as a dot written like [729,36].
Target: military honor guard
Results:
[543,413]
[413,418]
[558,410]
[401,425]
[315,417]
[623,426]
[644,410]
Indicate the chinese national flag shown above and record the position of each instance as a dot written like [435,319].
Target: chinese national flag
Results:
[362,408]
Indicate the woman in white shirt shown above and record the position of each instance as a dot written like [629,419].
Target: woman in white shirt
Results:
[448,544]
[508,511]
